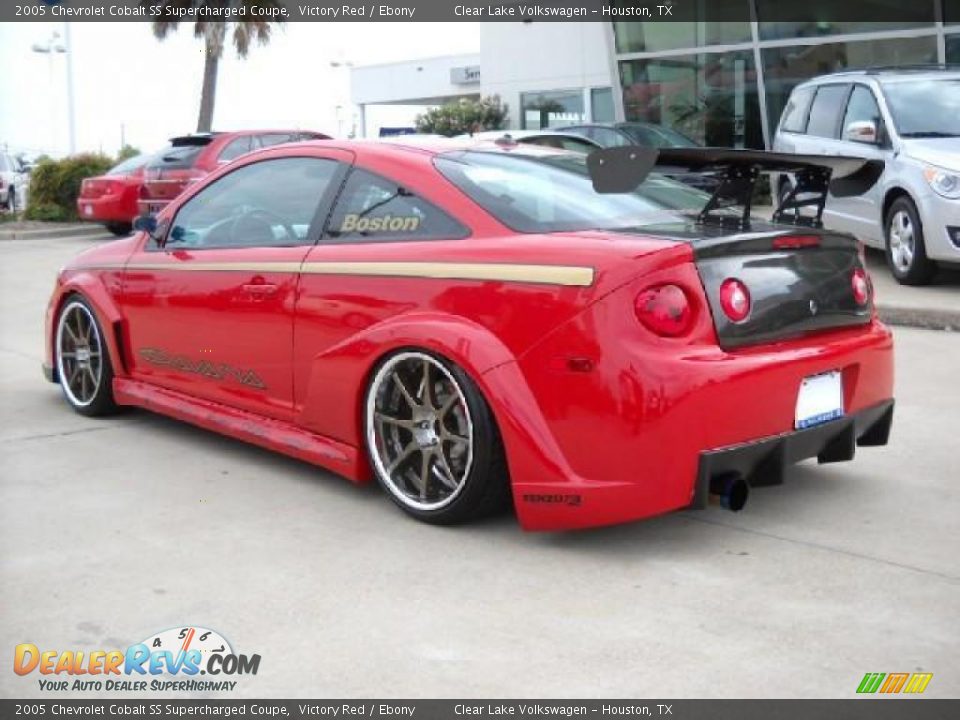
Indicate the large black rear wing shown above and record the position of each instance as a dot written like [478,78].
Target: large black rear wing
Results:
[623,169]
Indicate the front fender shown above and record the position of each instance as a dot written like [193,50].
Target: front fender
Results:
[90,286]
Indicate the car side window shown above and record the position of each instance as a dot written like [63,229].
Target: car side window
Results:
[826,111]
[271,203]
[862,107]
[372,208]
[271,139]
[794,117]
[608,137]
[235,149]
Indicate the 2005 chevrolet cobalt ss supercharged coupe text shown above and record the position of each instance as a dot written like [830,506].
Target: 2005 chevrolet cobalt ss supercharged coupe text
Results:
[469,323]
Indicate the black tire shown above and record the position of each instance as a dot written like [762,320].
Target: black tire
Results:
[905,247]
[484,488]
[12,200]
[120,229]
[86,379]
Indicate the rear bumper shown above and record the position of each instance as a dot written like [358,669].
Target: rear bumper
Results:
[764,462]
[111,208]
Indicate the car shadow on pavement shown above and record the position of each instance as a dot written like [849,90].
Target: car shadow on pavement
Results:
[675,535]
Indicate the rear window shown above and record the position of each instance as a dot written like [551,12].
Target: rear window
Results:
[181,153]
[827,108]
[795,113]
[554,193]
[129,165]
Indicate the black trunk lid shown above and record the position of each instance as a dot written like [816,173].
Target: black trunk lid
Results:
[800,281]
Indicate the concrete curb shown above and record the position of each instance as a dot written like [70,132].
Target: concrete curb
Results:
[926,318]
[62,231]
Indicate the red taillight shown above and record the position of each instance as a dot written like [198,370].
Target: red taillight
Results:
[735,299]
[861,286]
[665,310]
[795,242]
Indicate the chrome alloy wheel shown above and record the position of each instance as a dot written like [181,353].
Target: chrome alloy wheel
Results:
[79,354]
[419,431]
[902,240]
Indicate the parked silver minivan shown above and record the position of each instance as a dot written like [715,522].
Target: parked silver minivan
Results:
[908,118]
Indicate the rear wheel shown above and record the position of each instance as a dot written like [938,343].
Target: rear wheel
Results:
[432,440]
[120,229]
[906,251]
[83,363]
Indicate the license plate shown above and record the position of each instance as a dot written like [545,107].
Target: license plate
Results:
[88,209]
[820,400]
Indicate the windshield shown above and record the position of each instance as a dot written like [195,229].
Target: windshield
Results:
[925,108]
[553,193]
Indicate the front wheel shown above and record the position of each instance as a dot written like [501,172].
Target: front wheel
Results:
[906,250]
[83,363]
[432,440]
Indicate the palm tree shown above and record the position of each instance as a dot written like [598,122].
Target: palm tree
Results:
[214,35]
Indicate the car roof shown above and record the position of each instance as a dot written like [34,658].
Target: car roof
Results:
[425,148]
[889,74]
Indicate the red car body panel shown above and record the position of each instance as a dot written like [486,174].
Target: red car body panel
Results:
[110,198]
[589,403]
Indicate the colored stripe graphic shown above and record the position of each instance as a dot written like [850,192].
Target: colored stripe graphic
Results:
[894,682]
[918,682]
[870,682]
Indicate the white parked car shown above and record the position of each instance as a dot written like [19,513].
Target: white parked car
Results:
[12,183]
[910,119]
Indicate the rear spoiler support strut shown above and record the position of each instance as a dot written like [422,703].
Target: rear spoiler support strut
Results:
[812,184]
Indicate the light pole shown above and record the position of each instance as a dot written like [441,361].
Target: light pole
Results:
[51,47]
[344,65]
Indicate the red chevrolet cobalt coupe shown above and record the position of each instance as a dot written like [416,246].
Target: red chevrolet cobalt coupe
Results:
[471,323]
[112,198]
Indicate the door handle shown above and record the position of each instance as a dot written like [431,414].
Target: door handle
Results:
[260,289]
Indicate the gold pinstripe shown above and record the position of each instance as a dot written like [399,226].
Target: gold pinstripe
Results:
[569,275]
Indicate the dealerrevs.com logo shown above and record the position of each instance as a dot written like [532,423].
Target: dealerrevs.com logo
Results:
[172,660]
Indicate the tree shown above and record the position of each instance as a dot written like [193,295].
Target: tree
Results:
[214,36]
[127,152]
[463,116]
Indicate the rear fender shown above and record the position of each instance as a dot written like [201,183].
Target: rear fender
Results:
[332,403]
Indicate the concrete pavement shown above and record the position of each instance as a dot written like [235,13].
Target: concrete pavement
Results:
[114,529]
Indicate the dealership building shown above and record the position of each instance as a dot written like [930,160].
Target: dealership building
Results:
[722,78]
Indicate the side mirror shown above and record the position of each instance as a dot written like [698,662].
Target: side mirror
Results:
[862,131]
[145,223]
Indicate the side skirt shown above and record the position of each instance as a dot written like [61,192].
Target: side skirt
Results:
[266,432]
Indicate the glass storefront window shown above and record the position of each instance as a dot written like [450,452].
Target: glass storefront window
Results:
[541,110]
[784,68]
[601,105]
[710,97]
[819,18]
[951,13]
[953,49]
[694,24]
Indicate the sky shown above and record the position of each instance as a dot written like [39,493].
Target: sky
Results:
[129,85]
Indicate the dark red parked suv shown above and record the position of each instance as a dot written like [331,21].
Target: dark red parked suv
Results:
[189,157]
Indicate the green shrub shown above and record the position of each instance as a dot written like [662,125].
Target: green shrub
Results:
[463,116]
[47,212]
[55,184]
